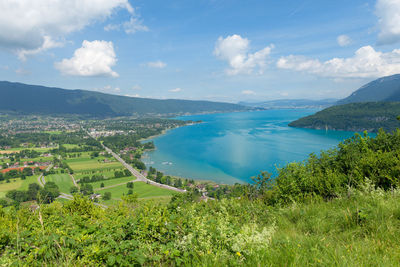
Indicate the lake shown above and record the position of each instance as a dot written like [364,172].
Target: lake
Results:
[233,147]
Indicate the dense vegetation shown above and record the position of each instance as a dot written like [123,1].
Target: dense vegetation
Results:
[338,208]
[32,99]
[355,117]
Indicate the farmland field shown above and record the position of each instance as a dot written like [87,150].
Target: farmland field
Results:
[16,184]
[13,184]
[63,181]
[109,182]
[141,188]
[83,164]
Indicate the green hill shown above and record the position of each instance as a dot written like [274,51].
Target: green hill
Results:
[355,117]
[383,89]
[22,99]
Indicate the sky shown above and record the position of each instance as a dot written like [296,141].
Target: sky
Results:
[220,50]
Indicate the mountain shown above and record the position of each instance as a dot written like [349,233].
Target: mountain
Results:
[357,117]
[383,89]
[33,99]
[291,103]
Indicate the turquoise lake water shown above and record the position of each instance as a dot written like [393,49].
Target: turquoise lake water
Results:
[233,147]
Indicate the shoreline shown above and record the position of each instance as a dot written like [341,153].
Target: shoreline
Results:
[197,181]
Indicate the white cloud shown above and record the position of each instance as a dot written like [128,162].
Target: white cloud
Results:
[92,59]
[343,40]
[176,90]
[135,95]
[365,63]
[29,27]
[130,27]
[235,50]
[108,89]
[22,71]
[157,64]
[388,12]
[248,92]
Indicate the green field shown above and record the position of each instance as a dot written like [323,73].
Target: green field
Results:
[142,189]
[105,172]
[16,184]
[86,164]
[12,185]
[109,182]
[70,146]
[63,181]
[17,149]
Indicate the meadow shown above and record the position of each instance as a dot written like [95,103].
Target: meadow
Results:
[143,191]
[16,184]
[63,180]
[85,163]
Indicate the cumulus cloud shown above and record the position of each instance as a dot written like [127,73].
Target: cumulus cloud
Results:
[176,90]
[157,64]
[366,63]
[388,12]
[29,27]
[92,59]
[235,50]
[343,40]
[248,92]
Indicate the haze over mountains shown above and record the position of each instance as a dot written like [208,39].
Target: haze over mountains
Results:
[33,99]
[385,89]
[291,103]
[375,105]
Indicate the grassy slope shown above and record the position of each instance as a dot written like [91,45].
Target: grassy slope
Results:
[96,185]
[63,181]
[141,188]
[362,230]
[16,184]
[85,164]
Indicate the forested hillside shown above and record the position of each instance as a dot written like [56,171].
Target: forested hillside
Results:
[32,99]
[355,117]
[338,208]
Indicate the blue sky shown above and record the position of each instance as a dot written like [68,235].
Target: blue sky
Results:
[224,50]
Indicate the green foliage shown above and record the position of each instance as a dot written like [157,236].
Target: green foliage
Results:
[86,189]
[107,196]
[360,230]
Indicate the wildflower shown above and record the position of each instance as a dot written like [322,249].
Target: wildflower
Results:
[238,253]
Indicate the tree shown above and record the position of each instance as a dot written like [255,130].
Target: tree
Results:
[32,192]
[130,192]
[107,196]
[129,185]
[49,192]
[102,185]
[73,190]
[87,189]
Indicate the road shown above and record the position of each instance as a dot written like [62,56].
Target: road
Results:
[41,179]
[139,176]
[73,180]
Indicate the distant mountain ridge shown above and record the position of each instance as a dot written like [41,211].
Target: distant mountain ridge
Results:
[291,103]
[373,106]
[385,89]
[33,99]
